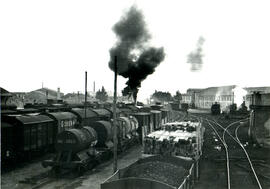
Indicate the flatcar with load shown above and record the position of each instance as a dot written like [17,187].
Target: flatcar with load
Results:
[170,159]
[155,172]
[183,139]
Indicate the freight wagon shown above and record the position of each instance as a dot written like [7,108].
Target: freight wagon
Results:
[155,172]
[31,133]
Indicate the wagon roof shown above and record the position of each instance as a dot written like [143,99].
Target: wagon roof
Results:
[125,110]
[27,110]
[141,113]
[155,111]
[117,109]
[5,125]
[62,115]
[102,112]
[81,112]
[8,112]
[31,119]
[164,110]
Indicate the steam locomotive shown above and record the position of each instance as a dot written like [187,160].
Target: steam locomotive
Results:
[215,109]
[24,136]
[237,113]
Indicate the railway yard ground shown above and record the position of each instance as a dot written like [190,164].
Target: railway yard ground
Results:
[213,173]
[213,161]
[91,179]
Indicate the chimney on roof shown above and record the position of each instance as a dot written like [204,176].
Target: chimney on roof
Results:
[58,94]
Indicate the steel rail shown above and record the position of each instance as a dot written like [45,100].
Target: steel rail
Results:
[227,154]
[250,163]
[241,145]
[236,139]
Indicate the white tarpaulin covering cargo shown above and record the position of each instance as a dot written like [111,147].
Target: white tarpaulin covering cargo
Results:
[176,138]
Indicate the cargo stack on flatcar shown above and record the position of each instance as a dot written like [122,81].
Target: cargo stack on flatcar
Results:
[183,139]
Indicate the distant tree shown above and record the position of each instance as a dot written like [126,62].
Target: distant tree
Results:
[162,96]
[177,96]
[102,94]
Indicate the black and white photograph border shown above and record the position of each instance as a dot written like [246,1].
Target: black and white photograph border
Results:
[133,93]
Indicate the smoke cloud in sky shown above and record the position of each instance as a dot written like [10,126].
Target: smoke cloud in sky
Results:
[195,57]
[135,59]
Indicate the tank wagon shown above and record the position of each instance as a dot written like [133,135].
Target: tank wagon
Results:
[127,132]
[156,172]
[63,120]
[75,150]
[80,149]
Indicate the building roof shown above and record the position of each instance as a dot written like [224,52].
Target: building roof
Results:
[5,93]
[194,90]
[221,90]
[258,89]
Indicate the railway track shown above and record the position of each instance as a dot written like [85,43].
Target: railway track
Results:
[232,144]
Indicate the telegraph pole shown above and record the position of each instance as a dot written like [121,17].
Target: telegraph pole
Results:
[85,97]
[114,118]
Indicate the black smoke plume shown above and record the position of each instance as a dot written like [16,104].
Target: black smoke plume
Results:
[135,60]
[195,57]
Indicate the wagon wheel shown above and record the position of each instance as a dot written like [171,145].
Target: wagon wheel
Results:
[80,170]
[55,171]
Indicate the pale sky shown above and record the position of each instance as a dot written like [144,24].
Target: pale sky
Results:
[55,42]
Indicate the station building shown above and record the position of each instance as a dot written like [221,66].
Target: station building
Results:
[224,95]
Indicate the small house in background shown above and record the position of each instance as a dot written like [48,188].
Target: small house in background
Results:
[5,103]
